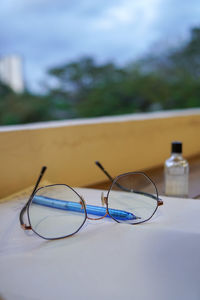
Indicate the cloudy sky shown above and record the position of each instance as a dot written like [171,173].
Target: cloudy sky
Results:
[47,33]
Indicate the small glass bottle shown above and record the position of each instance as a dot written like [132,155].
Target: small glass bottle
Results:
[176,173]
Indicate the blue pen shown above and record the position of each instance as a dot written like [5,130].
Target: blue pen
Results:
[75,206]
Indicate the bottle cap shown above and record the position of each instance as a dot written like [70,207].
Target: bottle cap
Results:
[176,147]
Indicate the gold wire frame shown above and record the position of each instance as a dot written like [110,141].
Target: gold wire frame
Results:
[104,201]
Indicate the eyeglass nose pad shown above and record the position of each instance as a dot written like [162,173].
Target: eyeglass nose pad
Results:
[103,199]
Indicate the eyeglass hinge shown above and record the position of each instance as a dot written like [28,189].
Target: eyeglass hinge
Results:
[25,227]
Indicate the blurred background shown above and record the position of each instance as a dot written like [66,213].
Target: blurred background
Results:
[76,59]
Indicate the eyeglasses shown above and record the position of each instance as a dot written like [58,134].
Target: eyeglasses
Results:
[58,211]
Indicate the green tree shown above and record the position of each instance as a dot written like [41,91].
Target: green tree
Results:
[22,108]
[85,88]
[96,90]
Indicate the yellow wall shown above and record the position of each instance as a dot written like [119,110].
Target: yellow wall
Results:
[69,148]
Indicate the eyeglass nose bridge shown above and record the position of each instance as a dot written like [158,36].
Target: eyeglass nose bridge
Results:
[103,201]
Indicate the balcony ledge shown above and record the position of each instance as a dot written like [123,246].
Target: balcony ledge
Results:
[69,148]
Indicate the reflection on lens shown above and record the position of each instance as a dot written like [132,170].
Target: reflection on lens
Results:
[56,211]
[135,195]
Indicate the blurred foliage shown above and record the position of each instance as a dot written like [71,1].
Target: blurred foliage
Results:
[87,89]
[22,108]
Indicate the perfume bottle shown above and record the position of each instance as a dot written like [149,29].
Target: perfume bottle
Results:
[176,173]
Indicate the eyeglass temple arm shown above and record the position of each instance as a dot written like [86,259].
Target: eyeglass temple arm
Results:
[102,169]
[23,225]
[160,201]
[110,177]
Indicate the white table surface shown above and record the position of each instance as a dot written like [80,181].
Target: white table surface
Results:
[159,259]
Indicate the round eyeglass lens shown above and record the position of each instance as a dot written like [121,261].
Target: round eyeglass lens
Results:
[132,198]
[56,211]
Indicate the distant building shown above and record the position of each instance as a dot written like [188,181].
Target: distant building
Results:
[11,72]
